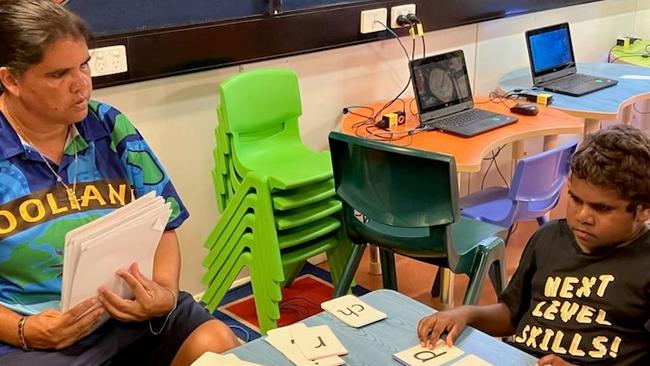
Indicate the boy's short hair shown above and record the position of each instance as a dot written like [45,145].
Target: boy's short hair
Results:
[617,158]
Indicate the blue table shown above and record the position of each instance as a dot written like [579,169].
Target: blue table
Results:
[375,344]
[601,105]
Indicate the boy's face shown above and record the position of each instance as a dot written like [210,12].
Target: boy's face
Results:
[599,218]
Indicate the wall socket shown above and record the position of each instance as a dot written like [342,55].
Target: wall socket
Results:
[396,11]
[369,19]
[108,60]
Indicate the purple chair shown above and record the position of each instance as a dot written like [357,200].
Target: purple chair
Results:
[534,191]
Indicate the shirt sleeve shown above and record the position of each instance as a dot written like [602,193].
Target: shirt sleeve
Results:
[144,171]
[517,294]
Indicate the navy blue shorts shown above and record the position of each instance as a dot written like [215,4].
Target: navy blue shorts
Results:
[118,343]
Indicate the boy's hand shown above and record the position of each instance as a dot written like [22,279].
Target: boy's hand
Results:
[451,321]
[552,360]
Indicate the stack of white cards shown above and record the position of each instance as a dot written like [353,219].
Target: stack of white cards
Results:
[96,251]
[418,355]
[352,311]
[307,346]
[215,359]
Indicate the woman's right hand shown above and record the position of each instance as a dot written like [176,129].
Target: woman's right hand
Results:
[452,322]
[52,329]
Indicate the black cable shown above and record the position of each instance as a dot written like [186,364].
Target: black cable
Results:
[638,111]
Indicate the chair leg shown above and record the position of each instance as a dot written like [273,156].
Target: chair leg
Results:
[542,220]
[505,241]
[476,277]
[343,286]
[388,272]
[291,272]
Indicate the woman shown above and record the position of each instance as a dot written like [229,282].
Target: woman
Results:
[63,160]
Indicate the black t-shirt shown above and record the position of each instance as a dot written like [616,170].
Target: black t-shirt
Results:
[588,308]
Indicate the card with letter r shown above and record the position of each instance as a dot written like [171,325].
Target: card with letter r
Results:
[318,342]
[352,311]
[419,355]
[282,340]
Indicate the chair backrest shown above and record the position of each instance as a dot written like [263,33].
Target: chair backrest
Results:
[260,100]
[541,177]
[394,185]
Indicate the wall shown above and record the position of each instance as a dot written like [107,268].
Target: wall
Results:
[177,116]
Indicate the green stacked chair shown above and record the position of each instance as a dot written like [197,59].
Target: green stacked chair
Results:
[275,195]
[409,203]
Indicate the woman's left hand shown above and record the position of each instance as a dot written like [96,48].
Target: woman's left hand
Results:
[151,299]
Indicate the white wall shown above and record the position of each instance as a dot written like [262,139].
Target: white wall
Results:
[177,116]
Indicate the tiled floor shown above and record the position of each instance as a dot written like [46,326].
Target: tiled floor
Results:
[415,278]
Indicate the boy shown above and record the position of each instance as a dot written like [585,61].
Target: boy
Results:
[581,293]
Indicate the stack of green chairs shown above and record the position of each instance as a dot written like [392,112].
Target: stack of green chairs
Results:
[275,195]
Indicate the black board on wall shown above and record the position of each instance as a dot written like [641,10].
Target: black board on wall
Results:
[171,37]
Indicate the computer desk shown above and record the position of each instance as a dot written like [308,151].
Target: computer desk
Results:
[375,344]
[469,152]
[604,104]
[635,54]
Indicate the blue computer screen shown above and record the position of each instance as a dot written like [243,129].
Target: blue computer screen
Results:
[550,49]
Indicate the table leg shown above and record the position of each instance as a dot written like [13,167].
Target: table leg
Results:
[550,142]
[591,126]
[626,114]
[374,267]
[446,288]
[517,153]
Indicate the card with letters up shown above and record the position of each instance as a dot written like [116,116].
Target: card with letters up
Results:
[352,311]
[418,355]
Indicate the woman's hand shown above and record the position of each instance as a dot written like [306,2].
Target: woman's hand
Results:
[151,299]
[52,329]
[552,360]
[431,327]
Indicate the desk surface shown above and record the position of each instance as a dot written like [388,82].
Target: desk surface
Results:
[375,344]
[603,104]
[469,152]
[632,54]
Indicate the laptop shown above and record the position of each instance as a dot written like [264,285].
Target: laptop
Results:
[553,65]
[444,98]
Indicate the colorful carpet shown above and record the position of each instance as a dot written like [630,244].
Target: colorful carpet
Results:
[300,301]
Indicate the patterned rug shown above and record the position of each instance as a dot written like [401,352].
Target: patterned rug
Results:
[300,301]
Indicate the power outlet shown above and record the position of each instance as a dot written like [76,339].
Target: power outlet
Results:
[396,11]
[370,20]
[108,61]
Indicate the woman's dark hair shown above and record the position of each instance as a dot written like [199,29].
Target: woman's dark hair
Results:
[29,27]
[619,159]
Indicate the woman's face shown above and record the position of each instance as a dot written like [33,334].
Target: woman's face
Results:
[58,88]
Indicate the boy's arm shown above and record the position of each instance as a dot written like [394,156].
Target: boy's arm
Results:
[492,319]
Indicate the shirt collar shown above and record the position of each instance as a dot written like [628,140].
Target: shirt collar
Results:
[87,130]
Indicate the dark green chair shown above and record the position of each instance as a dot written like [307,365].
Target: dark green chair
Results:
[405,201]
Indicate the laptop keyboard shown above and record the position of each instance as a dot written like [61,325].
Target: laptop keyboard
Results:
[460,119]
[571,81]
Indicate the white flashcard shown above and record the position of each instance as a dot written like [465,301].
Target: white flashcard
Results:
[318,342]
[471,360]
[282,340]
[352,311]
[213,359]
[419,355]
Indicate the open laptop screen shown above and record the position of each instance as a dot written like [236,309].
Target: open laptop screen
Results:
[440,82]
[550,49]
